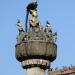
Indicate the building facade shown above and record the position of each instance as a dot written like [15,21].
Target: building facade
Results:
[63,71]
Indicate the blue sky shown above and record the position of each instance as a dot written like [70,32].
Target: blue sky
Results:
[61,14]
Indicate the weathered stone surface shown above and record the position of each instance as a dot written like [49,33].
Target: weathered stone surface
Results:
[41,63]
[36,49]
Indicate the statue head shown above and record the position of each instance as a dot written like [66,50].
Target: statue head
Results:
[33,13]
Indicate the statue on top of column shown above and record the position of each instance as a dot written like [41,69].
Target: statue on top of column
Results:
[34,22]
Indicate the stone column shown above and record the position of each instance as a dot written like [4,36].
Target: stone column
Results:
[35,71]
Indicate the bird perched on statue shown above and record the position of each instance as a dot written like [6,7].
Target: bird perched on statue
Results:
[48,27]
[20,27]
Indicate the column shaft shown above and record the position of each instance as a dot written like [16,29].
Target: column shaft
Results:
[35,71]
